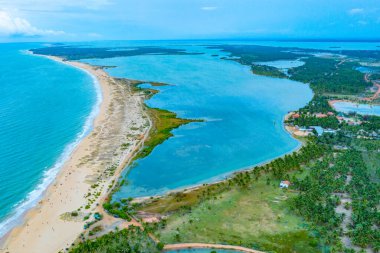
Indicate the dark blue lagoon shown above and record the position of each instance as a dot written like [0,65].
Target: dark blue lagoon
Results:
[243,118]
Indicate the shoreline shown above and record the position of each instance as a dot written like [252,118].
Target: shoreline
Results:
[72,230]
[119,111]
[49,175]
[226,176]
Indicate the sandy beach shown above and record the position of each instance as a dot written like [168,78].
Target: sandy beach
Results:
[119,129]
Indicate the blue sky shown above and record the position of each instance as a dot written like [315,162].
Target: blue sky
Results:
[76,20]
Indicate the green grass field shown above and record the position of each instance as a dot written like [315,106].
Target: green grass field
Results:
[256,217]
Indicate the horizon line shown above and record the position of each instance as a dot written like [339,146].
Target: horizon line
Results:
[371,40]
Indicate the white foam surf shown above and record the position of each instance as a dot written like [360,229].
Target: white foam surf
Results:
[20,209]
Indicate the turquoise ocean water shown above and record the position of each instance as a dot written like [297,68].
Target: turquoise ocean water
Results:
[45,108]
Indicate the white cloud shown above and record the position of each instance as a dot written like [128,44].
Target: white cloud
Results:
[208,8]
[53,4]
[355,11]
[11,25]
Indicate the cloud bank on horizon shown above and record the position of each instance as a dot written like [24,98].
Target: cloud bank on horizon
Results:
[57,20]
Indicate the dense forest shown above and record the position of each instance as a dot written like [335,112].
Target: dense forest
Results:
[78,53]
[264,70]
[333,74]
[327,75]
[248,54]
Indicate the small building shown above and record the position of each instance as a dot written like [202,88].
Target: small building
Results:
[285,184]
[330,113]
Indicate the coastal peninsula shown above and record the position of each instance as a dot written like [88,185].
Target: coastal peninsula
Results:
[197,126]
[276,197]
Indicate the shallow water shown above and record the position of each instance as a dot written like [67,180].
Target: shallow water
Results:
[282,64]
[44,107]
[362,109]
[243,114]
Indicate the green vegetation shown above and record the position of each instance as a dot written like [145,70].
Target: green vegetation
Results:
[375,76]
[331,172]
[264,70]
[236,211]
[319,197]
[365,200]
[123,209]
[276,168]
[308,115]
[331,75]
[78,53]
[249,209]
[316,202]
[319,104]
[249,54]
[163,123]
[311,120]
[371,157]
[256,216]
[327,75]
[352,172]
[173,201]
[133,240]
